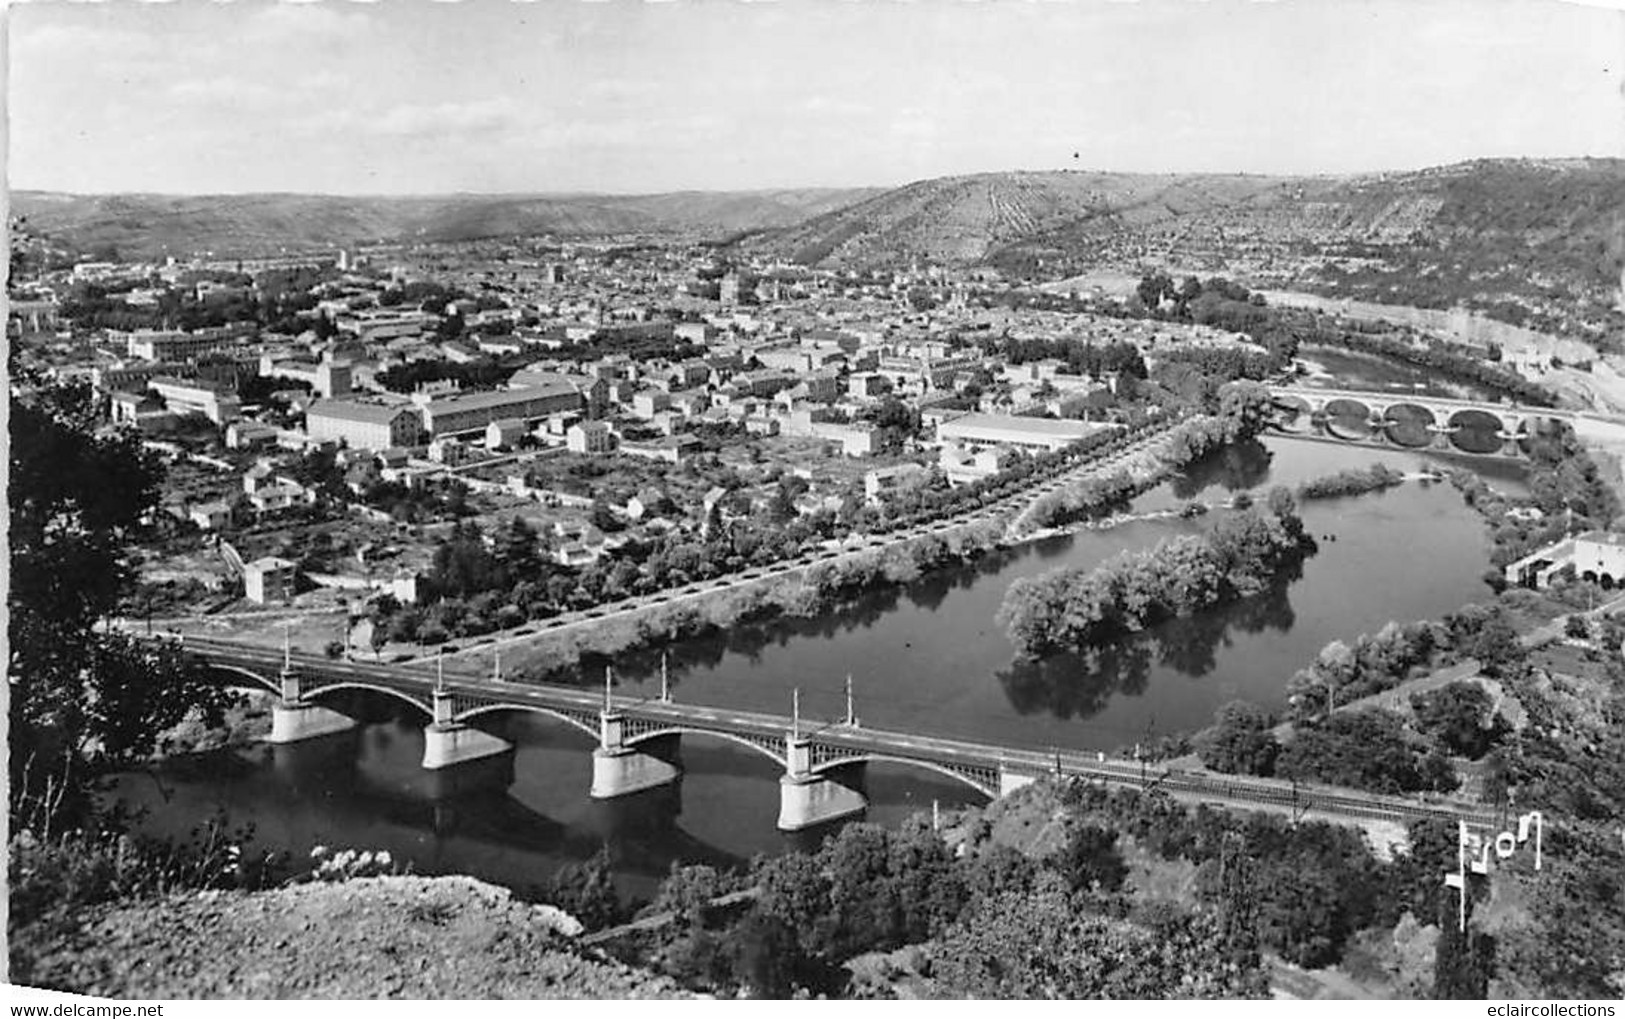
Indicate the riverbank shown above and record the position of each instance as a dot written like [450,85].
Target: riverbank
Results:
[246,723]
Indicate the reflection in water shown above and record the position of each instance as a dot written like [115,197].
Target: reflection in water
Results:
[1234,468]
[1080,684]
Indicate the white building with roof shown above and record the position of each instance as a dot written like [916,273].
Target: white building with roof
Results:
[1597,556]
[374,426]
[1021,432]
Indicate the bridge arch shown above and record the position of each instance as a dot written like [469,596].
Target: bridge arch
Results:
[733,737]
[534,709]
[322,691]
[1348,418]
[1410,424]
[941,769]
[236,675]
[1293,414]
[1476,431]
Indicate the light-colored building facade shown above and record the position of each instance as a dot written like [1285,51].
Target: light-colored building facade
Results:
[373,426]
[191,396]
[472,412]
[590,437]
[1597,556]
[1022,432]
[269,580]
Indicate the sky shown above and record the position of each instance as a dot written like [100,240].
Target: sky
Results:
[628,96]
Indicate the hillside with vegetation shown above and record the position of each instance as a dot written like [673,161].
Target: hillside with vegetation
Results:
[1539,243]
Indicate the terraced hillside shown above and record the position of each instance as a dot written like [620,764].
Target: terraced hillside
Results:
[972,219]
[1532,242]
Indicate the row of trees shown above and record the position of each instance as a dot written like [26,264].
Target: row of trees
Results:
[1343,673]
[1082,357]
[1440,361]
[477,586]
[1244,409]
[1068,609]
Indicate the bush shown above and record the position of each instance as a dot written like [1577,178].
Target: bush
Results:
[1458,716]
[1239,741]
[1359,749]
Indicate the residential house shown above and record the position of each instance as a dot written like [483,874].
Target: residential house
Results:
[270,580]
[590,437]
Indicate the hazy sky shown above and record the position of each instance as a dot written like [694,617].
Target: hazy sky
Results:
[488,95]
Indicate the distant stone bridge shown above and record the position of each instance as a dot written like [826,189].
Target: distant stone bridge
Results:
[638,741]
[1411,421]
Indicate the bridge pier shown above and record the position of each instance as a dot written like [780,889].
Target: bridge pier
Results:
[1439,437]
[293,723]
[808,799]
[447,743]
[621,770]
[294,720]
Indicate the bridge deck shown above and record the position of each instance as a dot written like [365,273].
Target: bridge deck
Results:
[837,741]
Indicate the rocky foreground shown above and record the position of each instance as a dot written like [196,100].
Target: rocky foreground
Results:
[385,937]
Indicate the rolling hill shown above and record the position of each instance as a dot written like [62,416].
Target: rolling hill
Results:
[145,226]
[1537,242]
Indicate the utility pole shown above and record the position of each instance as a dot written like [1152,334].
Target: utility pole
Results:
[287,645]
[440,671]
[609,701]
[795,713]
[665,680]
[496,664]
[851,715]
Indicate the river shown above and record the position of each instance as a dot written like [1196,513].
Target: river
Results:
[926,658]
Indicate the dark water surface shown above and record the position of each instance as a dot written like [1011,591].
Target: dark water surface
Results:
[927,658]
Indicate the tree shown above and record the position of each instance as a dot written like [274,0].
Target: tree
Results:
[1458,715]
[1042,946]
[1496,644]
[603,518]
[1246,406]
[587,891]
[1152,288]
[1239,741]
[1090,860]
[769,960]
[82,701]
[1360,749]
[520,548]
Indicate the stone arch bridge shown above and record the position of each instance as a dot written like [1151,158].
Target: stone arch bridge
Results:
[1411,421]
[638,741]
